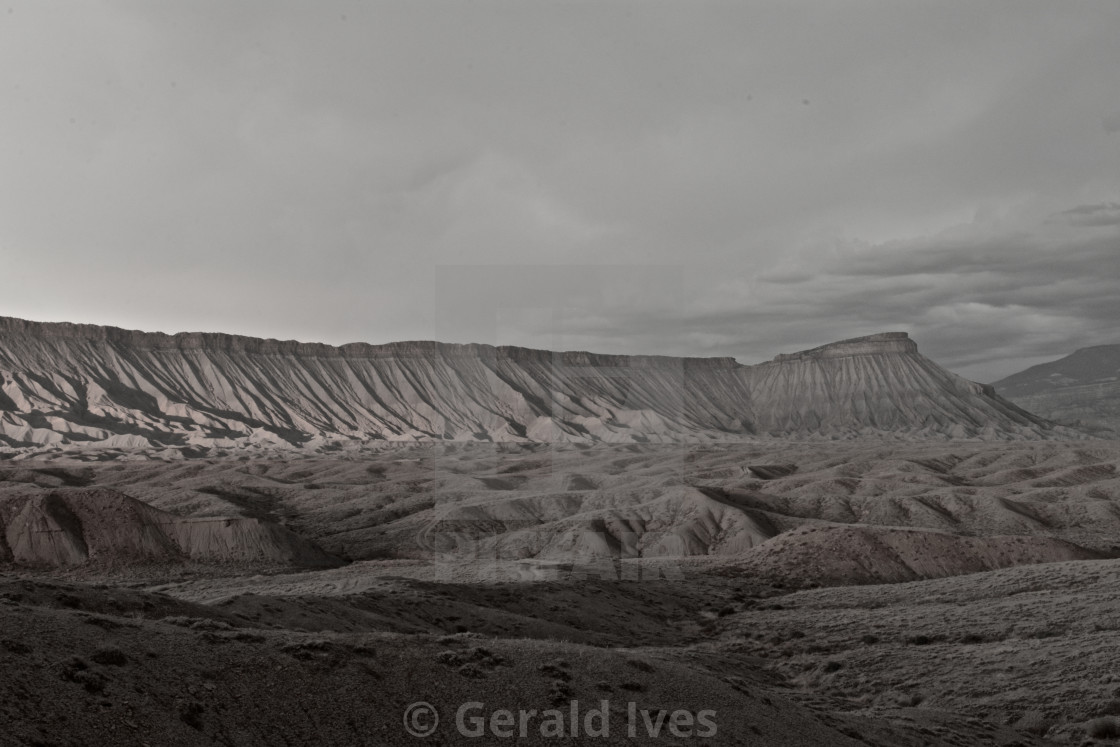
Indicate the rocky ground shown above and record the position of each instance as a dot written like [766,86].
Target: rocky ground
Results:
[739,579]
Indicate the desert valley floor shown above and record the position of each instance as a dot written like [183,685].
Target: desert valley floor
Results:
[870,592]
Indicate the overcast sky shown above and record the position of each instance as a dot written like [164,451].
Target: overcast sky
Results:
[705,178]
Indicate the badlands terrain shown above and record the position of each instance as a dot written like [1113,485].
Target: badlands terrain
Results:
[214,540]
[845,593]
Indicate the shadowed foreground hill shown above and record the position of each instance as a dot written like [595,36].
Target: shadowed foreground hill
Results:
[79,671]
[100,389]
[74,526]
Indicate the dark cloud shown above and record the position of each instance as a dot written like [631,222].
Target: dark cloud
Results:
[1103,214]
[985,306]
[981,305]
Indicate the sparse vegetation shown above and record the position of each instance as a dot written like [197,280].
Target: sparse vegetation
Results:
[939,646]
[473,671]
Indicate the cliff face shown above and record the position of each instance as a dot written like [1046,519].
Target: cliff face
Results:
[1081,389]
[84,386]
[884,343]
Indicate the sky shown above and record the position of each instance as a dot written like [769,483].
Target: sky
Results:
[631,176]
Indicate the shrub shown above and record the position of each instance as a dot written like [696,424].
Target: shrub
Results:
[76,670]
[910,700]
[555,671]
[16,647]
[93,682]
[450,658]
[109,656]
[560,693]
[190,713]
[205,623]
[1033,722]
[471,671]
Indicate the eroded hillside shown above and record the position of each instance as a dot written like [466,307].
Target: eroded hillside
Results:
[106,392]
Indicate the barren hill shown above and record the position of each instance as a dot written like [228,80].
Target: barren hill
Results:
[74,526]
[840,555]
[93,389]
[1081,389]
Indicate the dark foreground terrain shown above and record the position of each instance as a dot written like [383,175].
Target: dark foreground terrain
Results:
[767,593]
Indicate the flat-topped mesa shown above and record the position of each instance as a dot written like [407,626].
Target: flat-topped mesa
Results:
[877,383]
[138,340]
[90,388]
[884,343]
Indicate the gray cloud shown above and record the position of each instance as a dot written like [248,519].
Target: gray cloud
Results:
[983,299]
[1104,214]
[331,171]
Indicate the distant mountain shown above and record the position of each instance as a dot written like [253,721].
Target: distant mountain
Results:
[83,387]
[1081,389]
